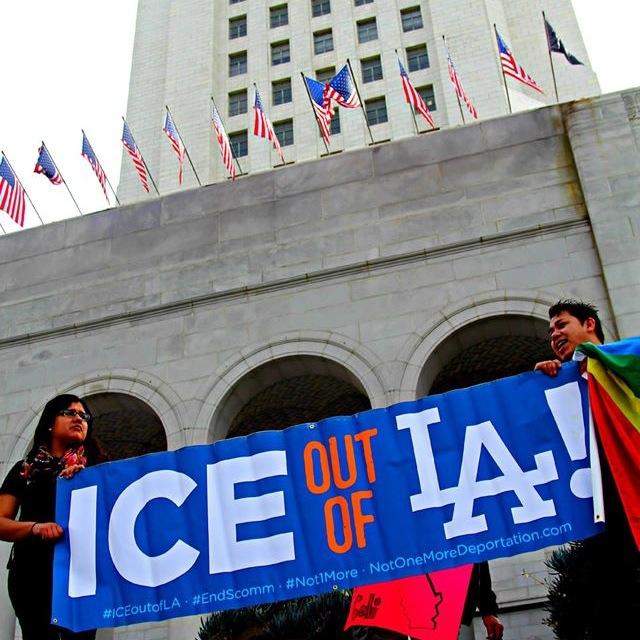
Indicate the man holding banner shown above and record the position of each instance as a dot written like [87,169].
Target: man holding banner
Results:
[612,556]
[390,493]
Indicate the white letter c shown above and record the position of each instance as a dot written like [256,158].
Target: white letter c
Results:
[131,562]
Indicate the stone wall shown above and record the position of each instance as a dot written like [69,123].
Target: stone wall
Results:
[369,259]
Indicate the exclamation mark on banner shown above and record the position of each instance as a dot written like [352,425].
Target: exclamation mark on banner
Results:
[565,403]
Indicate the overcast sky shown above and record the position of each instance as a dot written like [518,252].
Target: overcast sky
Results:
[66,67]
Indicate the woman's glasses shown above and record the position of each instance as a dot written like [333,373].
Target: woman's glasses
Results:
[72,413]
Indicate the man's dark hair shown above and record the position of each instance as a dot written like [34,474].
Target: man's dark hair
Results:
[580,310]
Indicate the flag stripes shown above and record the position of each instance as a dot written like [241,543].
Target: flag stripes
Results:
[223,141]
[511,67]
[457,84]
[414,98]
[342,89]
[134,153]
[176,143]
[46,166]
[321,105]
[11,193]
[262,126]
[87,152]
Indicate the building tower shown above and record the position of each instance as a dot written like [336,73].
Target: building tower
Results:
[187,51]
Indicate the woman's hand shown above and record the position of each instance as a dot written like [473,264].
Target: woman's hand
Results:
[47,530]
[71,470]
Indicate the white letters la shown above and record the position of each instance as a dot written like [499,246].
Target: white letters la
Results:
[469,488]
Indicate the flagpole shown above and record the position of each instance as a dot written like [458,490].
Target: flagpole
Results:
[314,112]
[4,155]
[454,88]
[62,177]
[413,113]
[504,78]
[553,72]
[115,195]
[233,155]
[355,84]
[185,147]
[153,182]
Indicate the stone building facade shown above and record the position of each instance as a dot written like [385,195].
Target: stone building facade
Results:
[354,281]
[189,51]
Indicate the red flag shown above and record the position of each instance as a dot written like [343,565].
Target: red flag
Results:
[427,607]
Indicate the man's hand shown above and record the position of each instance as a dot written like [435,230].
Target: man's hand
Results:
[550,367]
[494,627]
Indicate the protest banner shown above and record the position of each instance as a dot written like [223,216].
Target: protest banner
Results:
[491,471]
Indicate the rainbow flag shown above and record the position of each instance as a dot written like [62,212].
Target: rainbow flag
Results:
[614,397]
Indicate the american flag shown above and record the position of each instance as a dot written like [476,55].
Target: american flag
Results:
[342,89]
[414,98]
[512,68]
[46,166]
[262,126]
[88,153]
[11,193]
[457,83]
[174,137]
[321,105]
[132,149]
[223,141]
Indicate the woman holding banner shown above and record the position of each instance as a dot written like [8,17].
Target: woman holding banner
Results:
[62,446]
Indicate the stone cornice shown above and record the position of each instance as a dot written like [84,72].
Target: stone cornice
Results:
[321,275]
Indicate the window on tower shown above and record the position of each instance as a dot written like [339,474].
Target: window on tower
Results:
[376,110]
[320,7]
[237,27]
[324,75]
[335,122]
[238,63]
[426,93]
[278,16]
[367,30]
[411,19]
[371,69]
[239,143]
[322,41]
[284,132]
[417,58]
[238,102]
[281,91]
[280,53]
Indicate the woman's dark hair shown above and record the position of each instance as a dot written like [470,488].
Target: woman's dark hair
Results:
[52,409]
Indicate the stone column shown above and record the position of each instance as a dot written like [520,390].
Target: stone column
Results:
[602,133]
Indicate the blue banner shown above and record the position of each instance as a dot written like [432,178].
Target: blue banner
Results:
[486,472]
